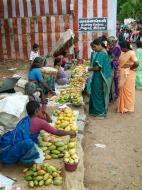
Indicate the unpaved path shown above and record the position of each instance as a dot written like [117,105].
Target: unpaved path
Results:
[119,165]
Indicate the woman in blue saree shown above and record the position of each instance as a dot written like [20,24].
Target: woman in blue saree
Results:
[35,76]
[20,143]
[101,81]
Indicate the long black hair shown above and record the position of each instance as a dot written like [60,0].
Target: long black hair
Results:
[35,46]
[57,60]
[100,41]
[125,44]
[36,62]
[97,41]
[31,107]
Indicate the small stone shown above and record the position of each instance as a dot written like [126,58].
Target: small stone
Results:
[135,150]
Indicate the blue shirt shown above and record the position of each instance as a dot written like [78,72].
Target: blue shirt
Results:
[35,74]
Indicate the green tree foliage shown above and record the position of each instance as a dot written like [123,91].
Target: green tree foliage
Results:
[129,9]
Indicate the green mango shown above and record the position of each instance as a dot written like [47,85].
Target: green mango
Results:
[39,178]
[48,182]
[45,168]
[44,144]
[46,176]
[30,172]
[48,144]
[36,183]
[45,165]
[34,168]
[55,152]
[57,182]
[52,169]
[59,143]
[65,147]
[52,147]
[60,155]
[28,178]
[35,174]
[61,149]
[40,141]
[44,148]
[42,133]
[58,178]
[54,156]
[31,184]
[41,183]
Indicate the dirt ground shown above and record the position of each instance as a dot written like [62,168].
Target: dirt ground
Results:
[118,166]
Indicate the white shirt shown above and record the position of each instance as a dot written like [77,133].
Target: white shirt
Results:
[33,55]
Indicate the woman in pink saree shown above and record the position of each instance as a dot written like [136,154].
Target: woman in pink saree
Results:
[126,75]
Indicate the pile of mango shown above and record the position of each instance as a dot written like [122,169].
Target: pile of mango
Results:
[75,90]
[42,174]
[65,119]
[64,97]
[79,70]
[71,155]
[53,147]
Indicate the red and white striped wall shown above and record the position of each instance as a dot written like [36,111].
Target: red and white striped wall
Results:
[30,8]
[24,22]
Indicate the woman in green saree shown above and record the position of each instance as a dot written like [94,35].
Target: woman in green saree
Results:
[139,69]
[101,81]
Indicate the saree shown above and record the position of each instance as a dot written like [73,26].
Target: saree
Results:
[100,85]
[51,84]
[19,144]
[139,69]
[35,75]
[126,78]
[115,53]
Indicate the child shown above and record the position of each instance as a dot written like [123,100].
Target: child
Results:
[35,52]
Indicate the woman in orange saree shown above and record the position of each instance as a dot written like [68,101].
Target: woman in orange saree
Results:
[127,72]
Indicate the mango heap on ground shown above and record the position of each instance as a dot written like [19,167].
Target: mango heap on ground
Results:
[42,174]
[53,147]
[75,90]
[71,156]
[65,120]
[64,97]
[79,70]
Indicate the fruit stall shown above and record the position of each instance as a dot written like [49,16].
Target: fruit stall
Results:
[62,167]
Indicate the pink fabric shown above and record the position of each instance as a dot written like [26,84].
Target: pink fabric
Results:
[38,124]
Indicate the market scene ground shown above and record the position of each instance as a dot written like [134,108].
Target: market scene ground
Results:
[118,164]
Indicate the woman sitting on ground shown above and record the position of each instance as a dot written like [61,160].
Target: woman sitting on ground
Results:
[20,143]
[35,94]
[35,76]
[62,76]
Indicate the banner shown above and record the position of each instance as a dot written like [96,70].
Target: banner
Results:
[92,24]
